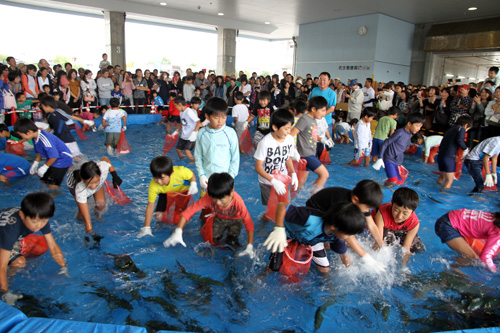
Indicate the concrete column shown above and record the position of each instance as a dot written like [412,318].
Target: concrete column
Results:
[114,25]
[418,55]
[226,51]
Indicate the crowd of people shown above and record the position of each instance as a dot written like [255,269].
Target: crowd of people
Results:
[295,121]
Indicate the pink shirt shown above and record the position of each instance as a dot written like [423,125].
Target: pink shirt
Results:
[87,116]
[127,88]
[479,225]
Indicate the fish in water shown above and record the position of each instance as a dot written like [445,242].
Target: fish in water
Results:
[318,316]
[166,306]
[45,308]
[113,300]
[199,279]
[125,264]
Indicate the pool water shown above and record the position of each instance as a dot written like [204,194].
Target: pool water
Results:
[202,288]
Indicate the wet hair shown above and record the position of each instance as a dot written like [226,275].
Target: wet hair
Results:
[239,96]
[300,106]
[415,117]
[368,193]
[48,101]
[406,197]
[3,127]
[39,205]
[86,173]
[215,105]
[464,120]
[264,95]
[369,112]
[195,100]
[220,185]
[23,125]
[317,102]
[161,165]
[281,118]
[114,102]
[346,217]
[180,100]
[393,110]
[415,137]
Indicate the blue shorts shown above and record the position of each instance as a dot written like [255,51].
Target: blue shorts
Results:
[446,164]
[391,170]
[174,119]
[357,152]
[445,230]
[312,162]
[376,145]
[340,130]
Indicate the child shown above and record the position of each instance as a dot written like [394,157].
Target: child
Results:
[195,106]
[363,136]
[298,108]
[188,89]
[309,226]
[457,224]
[190,123]
[116,93]
[46,89]
[393,149]
[87,180]
[112,124]
[397,222]
[240,114]
[274,153]
[325,140]
[479,158]
[306,132]
[166,178]
[229,210]
[87,115]
[157,100]
[429,143]
[47,146]
[342,129]
[24,104]
[12,167]
[263,111]
[385,128]
[367,194]
[493,77]
[57,120]
[453,139]
[217,148]
[17,223]
[174,115]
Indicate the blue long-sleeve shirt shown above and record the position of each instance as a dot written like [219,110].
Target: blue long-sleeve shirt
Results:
[394,147]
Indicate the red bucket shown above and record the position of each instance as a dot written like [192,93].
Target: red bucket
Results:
[274,198]
[176,204]
[296,260]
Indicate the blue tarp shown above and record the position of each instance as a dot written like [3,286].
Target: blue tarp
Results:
[31,325]
[9,317]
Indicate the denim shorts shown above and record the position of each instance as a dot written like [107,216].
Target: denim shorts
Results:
[445,230]
[358,151]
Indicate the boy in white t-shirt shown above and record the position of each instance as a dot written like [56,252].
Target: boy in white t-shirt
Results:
[324,136]
[363,136]
[274,152]
[343,128]
[190,123]
[112,124]
[240,114]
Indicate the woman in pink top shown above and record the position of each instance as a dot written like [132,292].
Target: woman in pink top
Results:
[126,86]
[457,224]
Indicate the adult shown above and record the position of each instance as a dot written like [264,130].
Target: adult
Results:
[12,64]
[74,89]
[492,114]
[117,77]
[202,83]
[429,105]
[189,73]
[231,91]
[219,88]
[287,94]
[141,87]
[176,84]
[44,63]
[29,84]
[43,78]
[246,89]
[460,105]
[127,87]
[105,86]
[368,93]
[324,90]
[477,111]
[88,86]
[164,85]
[275,90]
[355,104]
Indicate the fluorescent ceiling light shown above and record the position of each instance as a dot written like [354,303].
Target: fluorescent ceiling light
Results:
[472,78]
[460,77]
[220,14]
[472,8]
[163,3]
[267,22]
[450,75]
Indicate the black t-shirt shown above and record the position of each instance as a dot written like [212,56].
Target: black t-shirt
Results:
[58,124]
[263,115]
[13,229]
[325,198]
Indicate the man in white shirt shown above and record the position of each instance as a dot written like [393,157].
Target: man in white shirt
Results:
[369,93]
[355,104]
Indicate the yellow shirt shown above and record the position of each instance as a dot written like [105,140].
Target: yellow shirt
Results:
[179,181]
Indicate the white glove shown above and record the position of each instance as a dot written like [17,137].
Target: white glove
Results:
[279,186]
[296,155]
[494,175]
[245,125]
[175,238]
[372,264]
[466,151]
[377,165]
[192,136]
[124,128]
[295,181]
[276,241]
[488,182]
[248,252]
[42,170]
[204,182]
[205,122]
[193,188]
[11,298]
[324,140]
[176,132]
[34,168]
[88,122]
[64,271]
[145,231]
[330,143]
